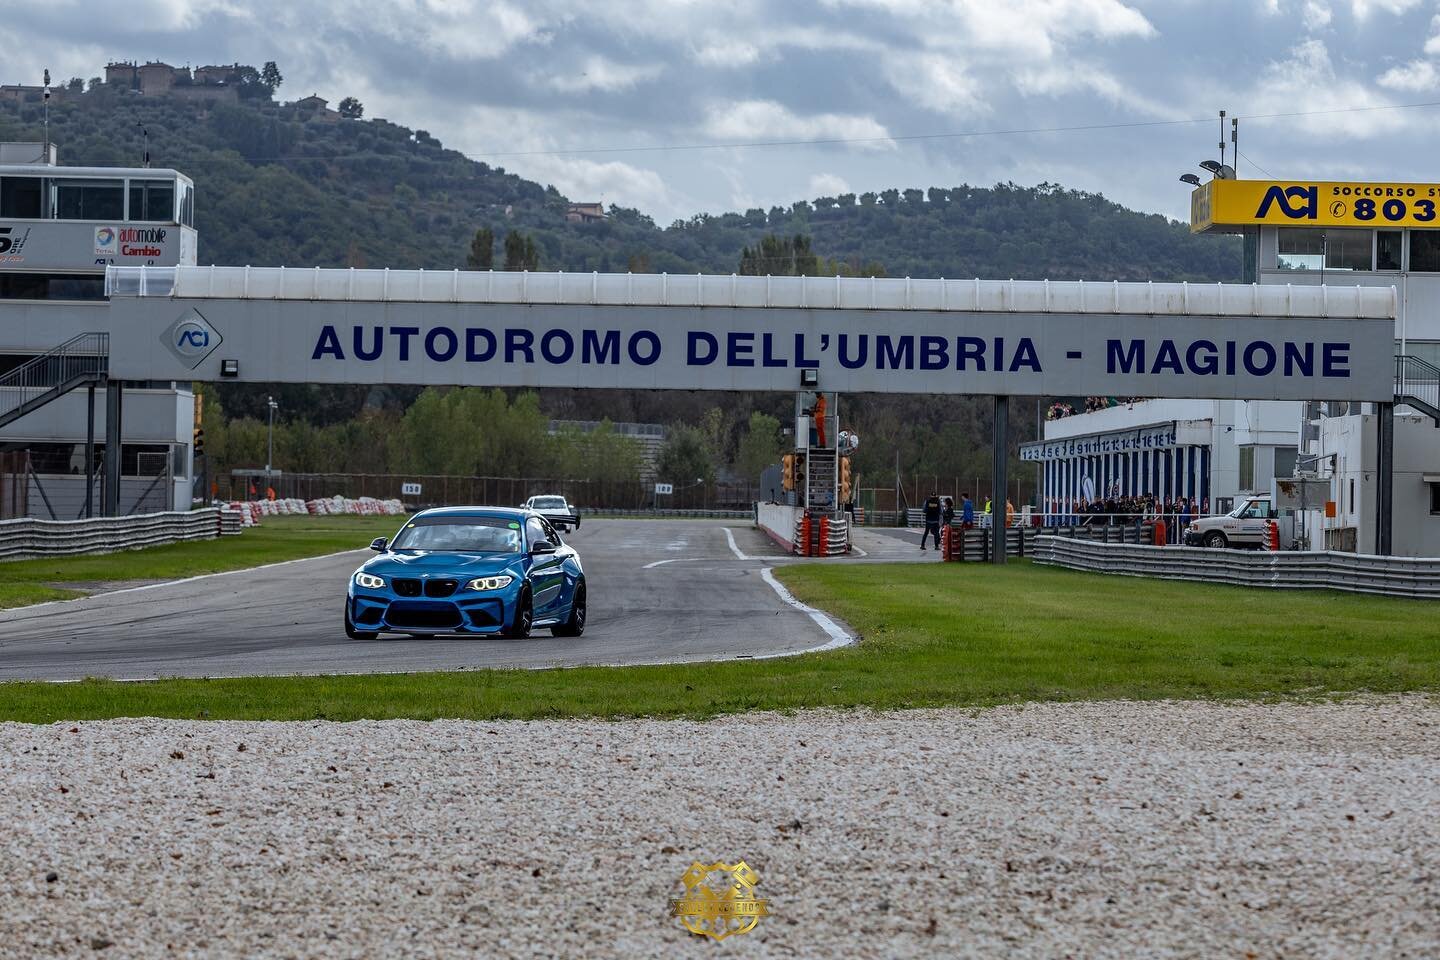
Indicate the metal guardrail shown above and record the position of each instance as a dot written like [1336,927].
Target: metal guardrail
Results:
[664,514]
[1355,573]
[974,544]
[27,538]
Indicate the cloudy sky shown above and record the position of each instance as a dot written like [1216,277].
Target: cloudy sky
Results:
[602,97]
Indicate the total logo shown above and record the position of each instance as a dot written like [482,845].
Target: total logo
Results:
[191,338]
[106,242]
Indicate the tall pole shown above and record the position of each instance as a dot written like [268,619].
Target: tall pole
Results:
[1000,445]
[90,452]
[114,397]
[1384,477]
[270,441]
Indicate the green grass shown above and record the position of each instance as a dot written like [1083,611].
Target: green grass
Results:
[934,635]
[276,539]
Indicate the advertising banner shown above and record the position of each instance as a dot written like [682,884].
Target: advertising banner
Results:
[1314,203]
[741,348]
[59,245]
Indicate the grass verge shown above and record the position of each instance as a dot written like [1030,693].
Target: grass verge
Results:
[278,538]
[934,635]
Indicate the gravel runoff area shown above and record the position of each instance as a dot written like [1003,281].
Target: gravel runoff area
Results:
[1065,830]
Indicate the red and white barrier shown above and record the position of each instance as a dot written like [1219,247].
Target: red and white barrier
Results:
[251,511]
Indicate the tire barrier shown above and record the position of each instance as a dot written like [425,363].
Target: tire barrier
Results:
[251,511]
[28,538]
[817,535]
[1329,570]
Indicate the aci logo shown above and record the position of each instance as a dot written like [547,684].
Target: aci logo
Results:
[1308,197]
[105,238]
[191,338]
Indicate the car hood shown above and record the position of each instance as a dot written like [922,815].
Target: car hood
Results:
[442,562]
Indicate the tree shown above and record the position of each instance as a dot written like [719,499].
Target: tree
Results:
[914,196]
[351,109]
[482,250]
[684,460]
[760,446]
[780,257]
[270,76]
[520,252]
[867,199]
[75,85]
[890,197]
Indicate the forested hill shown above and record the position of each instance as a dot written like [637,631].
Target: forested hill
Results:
[276,185]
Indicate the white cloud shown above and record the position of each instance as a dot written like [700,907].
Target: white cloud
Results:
[1363,8]
[1308,82]
[598,73]
[729,52]
[751,120]
[827,185]
[1316,15]
[1415,76]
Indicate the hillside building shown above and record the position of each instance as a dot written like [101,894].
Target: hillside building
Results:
[585,213]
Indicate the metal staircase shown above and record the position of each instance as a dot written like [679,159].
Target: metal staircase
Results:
[1417,384]
[79,361]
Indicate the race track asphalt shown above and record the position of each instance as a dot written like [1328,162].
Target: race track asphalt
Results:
[659,591]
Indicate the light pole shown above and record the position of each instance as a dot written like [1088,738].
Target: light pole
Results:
[270,438]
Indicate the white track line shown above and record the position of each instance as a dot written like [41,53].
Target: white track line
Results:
[855,549]
[171,583]
[733,548]
[836,633]
[661,563]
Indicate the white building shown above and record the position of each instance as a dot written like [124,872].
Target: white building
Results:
[1213,451]
[60,227]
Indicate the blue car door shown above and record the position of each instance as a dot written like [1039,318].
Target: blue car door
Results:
[547,571]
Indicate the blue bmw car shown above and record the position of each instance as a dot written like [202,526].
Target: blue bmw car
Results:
[469,570]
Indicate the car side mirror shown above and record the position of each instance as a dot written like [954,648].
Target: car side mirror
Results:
[542,546]
[379,544]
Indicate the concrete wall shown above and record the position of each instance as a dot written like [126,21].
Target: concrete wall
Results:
[1352,440]
[778,520]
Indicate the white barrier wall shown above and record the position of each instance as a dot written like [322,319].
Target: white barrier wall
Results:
[778,520]
[28,538]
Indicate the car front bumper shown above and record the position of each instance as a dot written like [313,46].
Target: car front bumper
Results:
[464,612]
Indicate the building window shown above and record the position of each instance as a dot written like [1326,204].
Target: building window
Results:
[1435,499]
[1425,251]
[45,286]
[1285,461]
[152,200]
[1352,496]
[89,200]
[1308,248]
[21,198]
[1388,245]
[1247,469]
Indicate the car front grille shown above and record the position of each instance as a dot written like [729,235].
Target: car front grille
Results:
[407,588]
[440,588]
[427,616]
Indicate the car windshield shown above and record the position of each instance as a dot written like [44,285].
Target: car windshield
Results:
[548,503]
[1251,509]
[460,535]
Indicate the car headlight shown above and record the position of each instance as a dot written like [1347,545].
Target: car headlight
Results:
[369,580]
[490,583]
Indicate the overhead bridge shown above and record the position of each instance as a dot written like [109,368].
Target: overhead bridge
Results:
[707,332]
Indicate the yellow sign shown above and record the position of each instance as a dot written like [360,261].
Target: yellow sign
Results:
[1314,203]
[719,900]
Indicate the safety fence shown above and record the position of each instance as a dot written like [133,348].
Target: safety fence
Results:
[974,544]
[28,538]
[662,513]
[1356,573]
[251,511]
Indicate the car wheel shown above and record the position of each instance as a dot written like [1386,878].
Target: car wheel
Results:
[354,634]
[1215,539]
[575,625]
[519,628]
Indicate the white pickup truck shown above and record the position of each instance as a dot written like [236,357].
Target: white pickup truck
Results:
[1245,526]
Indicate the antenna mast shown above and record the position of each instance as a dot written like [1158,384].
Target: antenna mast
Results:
[1222,138]
[45,158]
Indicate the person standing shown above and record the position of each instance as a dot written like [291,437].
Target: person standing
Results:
[967,511]
[1184,520]
[947,512]
[933,512]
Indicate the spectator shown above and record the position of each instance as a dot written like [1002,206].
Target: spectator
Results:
[947,513]
[967,511]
